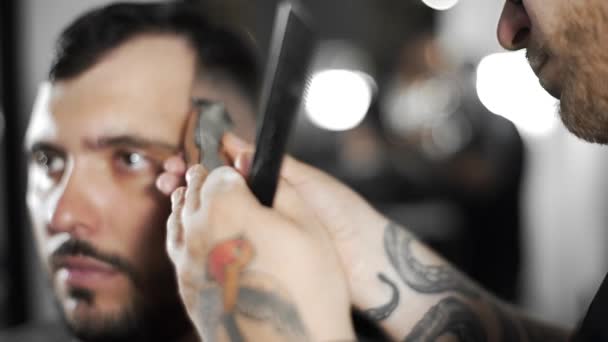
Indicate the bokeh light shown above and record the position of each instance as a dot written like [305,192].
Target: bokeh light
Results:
[338,100]
[507,86]
[440,5]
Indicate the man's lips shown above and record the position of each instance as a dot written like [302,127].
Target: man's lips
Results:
[84,271]
[537,62]
[547,71]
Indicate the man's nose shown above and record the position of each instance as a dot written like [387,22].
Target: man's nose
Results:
[72,209]
[514,26]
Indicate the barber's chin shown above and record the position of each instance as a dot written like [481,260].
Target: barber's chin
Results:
[552,88]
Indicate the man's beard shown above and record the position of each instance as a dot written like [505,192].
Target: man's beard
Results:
[126,325]
[136,321]
[581,46]
[151,318]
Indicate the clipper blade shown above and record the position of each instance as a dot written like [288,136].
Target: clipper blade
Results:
[213,121]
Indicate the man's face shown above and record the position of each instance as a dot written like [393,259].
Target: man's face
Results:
[97,143]
[566,42]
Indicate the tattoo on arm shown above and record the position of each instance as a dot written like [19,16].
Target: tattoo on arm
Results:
[210,312]
[420,277]
[382,312]
[265,306]
[232,328]
[449,316]
[227,299]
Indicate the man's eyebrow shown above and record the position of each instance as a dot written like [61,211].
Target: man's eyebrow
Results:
[40,146]
[130,141]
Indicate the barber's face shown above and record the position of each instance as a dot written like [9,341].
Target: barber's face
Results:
[96,145]
[566,42]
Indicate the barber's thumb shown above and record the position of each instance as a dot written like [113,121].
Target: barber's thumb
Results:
[229,187]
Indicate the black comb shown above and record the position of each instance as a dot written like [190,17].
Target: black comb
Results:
[286,79]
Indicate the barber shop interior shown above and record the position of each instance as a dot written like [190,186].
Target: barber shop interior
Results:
[303,170]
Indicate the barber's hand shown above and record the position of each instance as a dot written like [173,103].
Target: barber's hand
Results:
[250,271]
[355,227]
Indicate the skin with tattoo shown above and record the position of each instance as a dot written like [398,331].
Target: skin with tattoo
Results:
[253,288]
[241,297]
[451,315]
[413,293]
[384,311]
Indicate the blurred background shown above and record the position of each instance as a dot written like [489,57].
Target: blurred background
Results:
[413,104]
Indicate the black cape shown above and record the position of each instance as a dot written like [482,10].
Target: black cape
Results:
[594,327]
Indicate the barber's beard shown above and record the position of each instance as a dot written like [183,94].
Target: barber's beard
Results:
[582,46]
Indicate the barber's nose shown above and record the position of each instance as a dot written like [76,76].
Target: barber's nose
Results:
[514,26]
[72,208]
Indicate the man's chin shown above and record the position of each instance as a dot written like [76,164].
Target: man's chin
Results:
[91,322]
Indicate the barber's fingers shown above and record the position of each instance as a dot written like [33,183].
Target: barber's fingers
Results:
[195,177]
[294,171]
[225,204]
[287,201]
[175,164]
[166,183]
[172,176]
[175,239]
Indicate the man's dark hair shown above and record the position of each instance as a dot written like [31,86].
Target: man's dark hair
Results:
[93,35]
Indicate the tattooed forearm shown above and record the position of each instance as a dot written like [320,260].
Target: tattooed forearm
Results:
[418,276]
[452,316]
[449,316]
[382,312]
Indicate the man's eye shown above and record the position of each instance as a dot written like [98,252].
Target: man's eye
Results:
[132,160]
[50,162]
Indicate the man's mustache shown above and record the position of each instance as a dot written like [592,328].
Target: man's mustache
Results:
[76,247]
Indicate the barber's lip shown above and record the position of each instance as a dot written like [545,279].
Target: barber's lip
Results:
[538,64]
[547,76]
[85,271]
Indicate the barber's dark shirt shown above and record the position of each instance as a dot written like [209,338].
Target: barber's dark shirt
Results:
[594,327]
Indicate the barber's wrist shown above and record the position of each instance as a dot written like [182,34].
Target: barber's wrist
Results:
[368,264]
